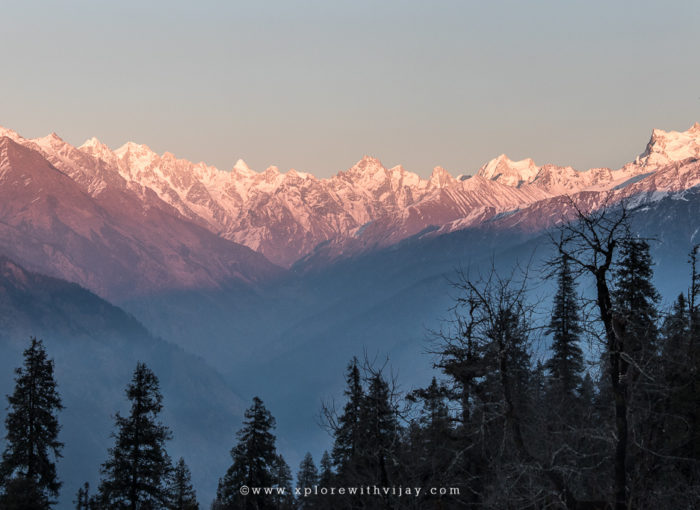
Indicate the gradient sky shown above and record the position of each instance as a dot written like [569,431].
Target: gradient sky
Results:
[314,85]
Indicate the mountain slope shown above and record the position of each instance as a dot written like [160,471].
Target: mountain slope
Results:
[96,347]
[70,223]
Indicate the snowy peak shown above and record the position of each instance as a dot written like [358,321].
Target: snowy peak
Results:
[9,133]
[136,150]
[367,166]
[665,147]
[441,178]
[509,172]
[93,144]
[51,141]
[241,167]
[98,150]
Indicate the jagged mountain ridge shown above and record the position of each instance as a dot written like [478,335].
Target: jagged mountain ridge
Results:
[289,216]
[64,214]
[545,194]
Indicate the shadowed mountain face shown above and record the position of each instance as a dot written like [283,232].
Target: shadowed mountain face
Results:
[96,346]
[115,243]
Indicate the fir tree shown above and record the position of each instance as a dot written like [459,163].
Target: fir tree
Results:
[28,467]
[566,364]
[182,495]
[254,461]
[307,478]
[82,498]
[308,474]
[694,293]
[326,475]
[348,433]
[681,371]
[326,479]
[429,457]
[692,384]
[435,424]
[635,298]
[135,476]
[282,476]
[379,424]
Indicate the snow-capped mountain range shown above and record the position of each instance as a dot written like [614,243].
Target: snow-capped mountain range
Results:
[291,216]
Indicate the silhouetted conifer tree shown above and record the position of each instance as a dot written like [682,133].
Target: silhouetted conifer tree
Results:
[635,298]
[428,458]
[308,474]
[326,475]
[348,433]
[307,477]
[380,432]
[83,500]
[282,475]
[692,385]
[136,474]
[325,479]
[565,366]
[182,495]
[28,468]
[254,463]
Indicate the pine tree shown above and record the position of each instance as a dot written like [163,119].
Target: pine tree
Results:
[380,438]
[681,371]
[82,498]
[349,433]
[325,479]
[326,475]
[693,352]
[282,476]
[182,495]
[254,461]
[428,457]
[307,478]
[634,303]
[566,364]
[635,298]
[308,474]
[136,473]
[692,388]
[28,468]
[694,293]
[435,426]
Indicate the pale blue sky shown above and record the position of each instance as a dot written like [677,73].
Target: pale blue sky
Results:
[314,85]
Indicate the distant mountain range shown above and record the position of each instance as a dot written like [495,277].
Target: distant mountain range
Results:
[126,222]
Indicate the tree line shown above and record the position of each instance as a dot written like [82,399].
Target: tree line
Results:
[607,417]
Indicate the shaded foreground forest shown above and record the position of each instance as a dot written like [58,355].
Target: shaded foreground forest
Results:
[607,418]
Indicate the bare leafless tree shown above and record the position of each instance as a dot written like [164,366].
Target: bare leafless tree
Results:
[591,241]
